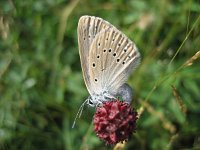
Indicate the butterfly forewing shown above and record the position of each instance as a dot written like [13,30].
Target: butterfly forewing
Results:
[112,57]
[88,28]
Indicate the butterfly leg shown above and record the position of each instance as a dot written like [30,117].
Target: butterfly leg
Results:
[108,96]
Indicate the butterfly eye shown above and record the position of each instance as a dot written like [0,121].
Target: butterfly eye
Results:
[90,102]
[93,64]
[118,60]
[109,50]
[98,56]
[119,44]
[104,50]
[123,63]
[114,54]
[95,80]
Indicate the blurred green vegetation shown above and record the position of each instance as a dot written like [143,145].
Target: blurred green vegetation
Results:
[41,83]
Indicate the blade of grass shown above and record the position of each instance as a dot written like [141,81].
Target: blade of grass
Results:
[86,137]
[186,37]
[65,13]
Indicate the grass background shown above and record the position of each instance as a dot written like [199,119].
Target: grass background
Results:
[41,84]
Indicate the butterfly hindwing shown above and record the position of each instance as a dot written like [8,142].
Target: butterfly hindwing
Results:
[112,57]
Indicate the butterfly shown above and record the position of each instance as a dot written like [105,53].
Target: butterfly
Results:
[107,59]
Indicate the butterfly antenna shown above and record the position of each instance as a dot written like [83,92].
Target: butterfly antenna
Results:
[79,113]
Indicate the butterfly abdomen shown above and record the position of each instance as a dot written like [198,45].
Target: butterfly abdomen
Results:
[125,92]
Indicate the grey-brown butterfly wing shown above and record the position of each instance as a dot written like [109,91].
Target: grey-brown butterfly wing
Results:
[112,57]
[88,28]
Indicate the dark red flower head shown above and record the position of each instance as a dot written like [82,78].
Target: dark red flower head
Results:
[114,121]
